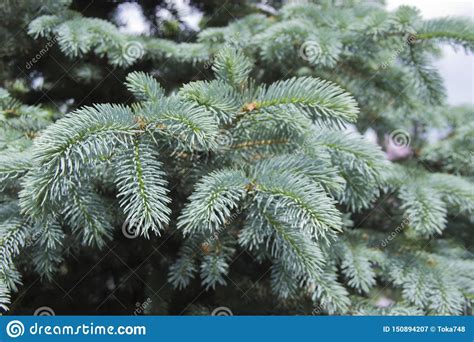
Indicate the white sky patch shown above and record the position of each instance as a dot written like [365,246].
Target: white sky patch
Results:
[164,14]
[130,17]
[37,82]
[190,15]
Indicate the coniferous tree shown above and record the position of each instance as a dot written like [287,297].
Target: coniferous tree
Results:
[254,157]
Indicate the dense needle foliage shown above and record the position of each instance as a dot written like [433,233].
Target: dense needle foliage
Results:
[249,161]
